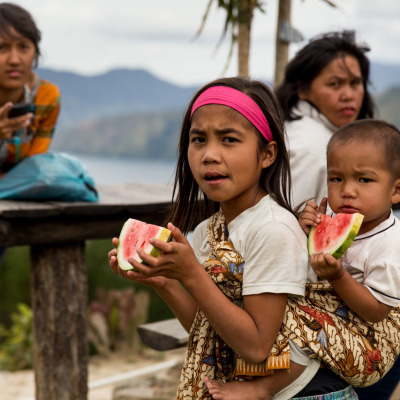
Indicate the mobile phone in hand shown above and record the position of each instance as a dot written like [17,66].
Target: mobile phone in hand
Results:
[20,109]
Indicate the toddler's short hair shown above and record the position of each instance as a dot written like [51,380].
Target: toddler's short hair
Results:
[385,135]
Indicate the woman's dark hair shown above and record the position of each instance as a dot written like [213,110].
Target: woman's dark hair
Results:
[190,204]
[13,16]
[309,62]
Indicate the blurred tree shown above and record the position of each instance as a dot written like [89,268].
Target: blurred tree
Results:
[286,34]
[282,42]
[239,17]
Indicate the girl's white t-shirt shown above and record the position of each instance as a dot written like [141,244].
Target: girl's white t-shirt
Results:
[272,245]
[308,138]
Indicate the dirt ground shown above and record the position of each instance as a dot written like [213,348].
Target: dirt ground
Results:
[20,385]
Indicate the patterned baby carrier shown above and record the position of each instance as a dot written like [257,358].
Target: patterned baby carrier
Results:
[320,323]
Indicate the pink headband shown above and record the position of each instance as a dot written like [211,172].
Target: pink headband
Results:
[237,100]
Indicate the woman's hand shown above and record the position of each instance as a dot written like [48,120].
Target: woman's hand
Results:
[311,215]
[9,125]
[177,260]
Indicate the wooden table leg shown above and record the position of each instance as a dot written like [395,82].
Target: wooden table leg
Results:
[59,304]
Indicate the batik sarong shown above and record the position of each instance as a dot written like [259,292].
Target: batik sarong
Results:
[361,352]
[319,323]
[207,354]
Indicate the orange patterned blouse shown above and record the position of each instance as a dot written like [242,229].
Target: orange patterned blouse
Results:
[37,137]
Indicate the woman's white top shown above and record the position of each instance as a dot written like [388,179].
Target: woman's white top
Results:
[307,141]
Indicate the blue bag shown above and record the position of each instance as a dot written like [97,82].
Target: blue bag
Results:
[48,176]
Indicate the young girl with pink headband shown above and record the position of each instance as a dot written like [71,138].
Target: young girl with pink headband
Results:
[229,289]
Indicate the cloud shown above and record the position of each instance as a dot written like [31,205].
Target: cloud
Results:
[92,37]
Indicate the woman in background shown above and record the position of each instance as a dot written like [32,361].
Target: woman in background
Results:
[28,134]
[325,87]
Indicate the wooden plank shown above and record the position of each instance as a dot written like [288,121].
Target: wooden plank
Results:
[121,197]
[24,223]
[112,199]
[163,335]
[25,209]
[59,303]
[64,228]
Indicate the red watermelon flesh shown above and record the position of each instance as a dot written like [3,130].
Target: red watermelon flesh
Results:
[135,235]
[334,235]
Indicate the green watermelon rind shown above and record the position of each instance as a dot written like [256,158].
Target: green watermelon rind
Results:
[350,236]
[164,234]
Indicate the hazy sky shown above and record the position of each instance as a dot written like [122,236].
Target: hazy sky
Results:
[94,36]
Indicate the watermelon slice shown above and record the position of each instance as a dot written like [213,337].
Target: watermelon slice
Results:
[136,235]
[334,235]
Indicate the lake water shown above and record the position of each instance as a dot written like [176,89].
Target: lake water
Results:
[107,171]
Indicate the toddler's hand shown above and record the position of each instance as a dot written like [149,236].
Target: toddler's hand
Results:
[311,215]
[326,266]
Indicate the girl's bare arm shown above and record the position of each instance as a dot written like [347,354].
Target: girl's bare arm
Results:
[250,331]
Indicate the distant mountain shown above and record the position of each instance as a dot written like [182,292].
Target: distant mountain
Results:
[389,106]
[139,135]
[156,134]
[120,91]
[133,113]
[384,77]
[127,91]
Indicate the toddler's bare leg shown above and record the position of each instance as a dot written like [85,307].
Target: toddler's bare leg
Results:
[260,388]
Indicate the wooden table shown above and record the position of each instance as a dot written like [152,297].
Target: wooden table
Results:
[56,233]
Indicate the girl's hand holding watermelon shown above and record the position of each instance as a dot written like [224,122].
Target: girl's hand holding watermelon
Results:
[177,260]
[177,263]
[155,282]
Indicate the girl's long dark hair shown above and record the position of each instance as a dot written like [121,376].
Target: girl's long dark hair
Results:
[309,62]
[190,205]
